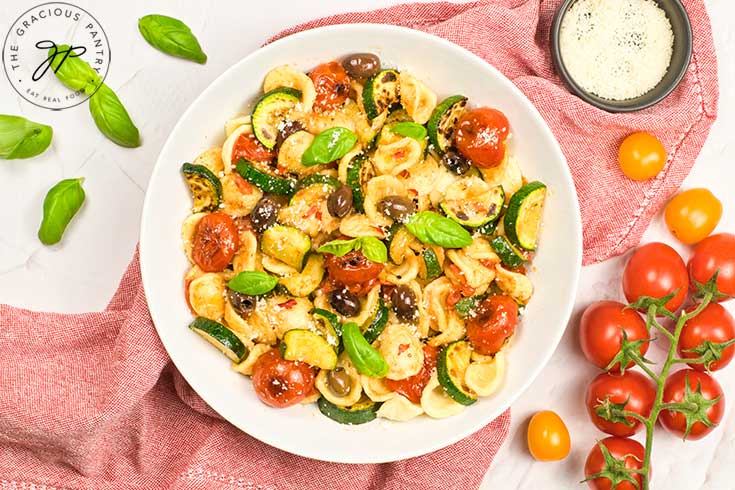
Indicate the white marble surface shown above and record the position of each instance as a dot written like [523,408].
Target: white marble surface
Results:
[81,273]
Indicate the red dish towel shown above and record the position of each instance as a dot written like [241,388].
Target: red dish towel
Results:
[92,401]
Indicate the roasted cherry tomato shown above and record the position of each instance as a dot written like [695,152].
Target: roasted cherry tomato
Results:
[413,386]
[332,86]
[692,215]
[702,389]
[714,325]
[601,332]
[248,147]
[548,437]
[480,136]
[621,448]
[715,253]
[633,389]
[352,268]
[656,270]
[493,323]
[216,239]
[641,156]
[280,383]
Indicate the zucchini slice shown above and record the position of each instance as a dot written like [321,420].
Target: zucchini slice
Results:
[450,368]
[312,194]
[381,92]
[309,347]
[472,202]
[509,255]
[431,263]
[361,412]
[206,188]
[466,306]
[287,244]
[328,325]
[377,322]
[318,179]
[263,181]
[523,217]
[488,229]
[443,120]
[305,282]
[271,110]
[221,337]
[355,177]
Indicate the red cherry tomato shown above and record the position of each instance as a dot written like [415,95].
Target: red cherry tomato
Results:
[620,448]
[352,268]
[714,324]
[248,147]
[715,253]
[413,386]
[332,86]
[674,390]
[493,323]
[216,239]
[636,388]
[601,332]
[280,383]
[481,135]
[656,270]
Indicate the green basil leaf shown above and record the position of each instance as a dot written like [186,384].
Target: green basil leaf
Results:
[434,229]
[22,138]
[373,249]
[73,71]
[171,36]
[364,357]
[112,119]
[253,282]
[328,146]
[410,130]
[339,248]
[61,204]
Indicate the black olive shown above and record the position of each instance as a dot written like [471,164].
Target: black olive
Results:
[455,162]
[345,302]
[241,303]
[339,202]
[398,208]
[265,213]
[286,130]
[404,303]
[361,66]
[339,382]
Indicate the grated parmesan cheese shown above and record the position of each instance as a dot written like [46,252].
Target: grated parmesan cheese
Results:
[616,49]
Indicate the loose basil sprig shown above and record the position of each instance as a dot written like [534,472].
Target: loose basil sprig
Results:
[22,138]
[253,283]
[73,71]
[365,358]
[328,146]
[171,36]
[61,204]
[372,248]
[410,130]
[434,229]
[112,119]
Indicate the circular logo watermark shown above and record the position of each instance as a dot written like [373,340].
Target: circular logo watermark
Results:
[33,43]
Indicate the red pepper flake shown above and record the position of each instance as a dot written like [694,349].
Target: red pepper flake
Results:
[288,304]
[403,348]
[281,169]
[521,269]
[399,154]
[490,264]
[413,192]
[405,174]
[312,210]
[467,290]
[243,185]
[318,215]
[453,297]
[379,230]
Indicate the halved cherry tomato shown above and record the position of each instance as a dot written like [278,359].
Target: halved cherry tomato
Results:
[248,147]
[702,387]
[332,86]
[548,437]
[656,270]
[480,136]
[633,389]
[715,253]
[713,325]
[692,215]
[601,332]
[413,386]
[494,322]
[280,383]
[621,448]
[216,239]
[641,156]
[352,268]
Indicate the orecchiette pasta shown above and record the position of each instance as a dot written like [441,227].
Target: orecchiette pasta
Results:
[376,389]
[508,174]
[368,307]
[394,158]
[355,392]
[484,378]
[247,257]
[402,273]
[378,189]
[246,366]
[435,402]
[514,284]
[399,408]
[212,159]
[358,225]
[229,145]
[188,227]
[401,349]
[206,295]
[291,151]
[232,124]
[238,196]
[285,76]
[306,281]
[417,98]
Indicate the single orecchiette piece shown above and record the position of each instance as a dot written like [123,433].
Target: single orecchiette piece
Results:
[399,408]
[441,318]
[473,271]
[416,97]
[306,281]
[246,332]
[403,244]
[359,225]
[285,76]
[402,350]
[317,122]
[344,162]
[516,285]
[508,174]
[484,378]
[376,388]
[279,314]
[206,296]
[246,366]
[276,266]
[396,157]
[232,124]
[239,196]
[436,403]
[322,384]
[188,227]
[212,159]
[247,257]
[402,273]
[377,189]
[308,211]
[229,144]
[291,151]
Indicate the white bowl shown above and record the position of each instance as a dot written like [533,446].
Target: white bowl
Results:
[447,69]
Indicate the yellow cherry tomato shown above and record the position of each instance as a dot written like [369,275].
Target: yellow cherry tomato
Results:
[693,214]
[641,156]
[548,437]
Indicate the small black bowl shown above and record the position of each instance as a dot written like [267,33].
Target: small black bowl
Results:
[680,57]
